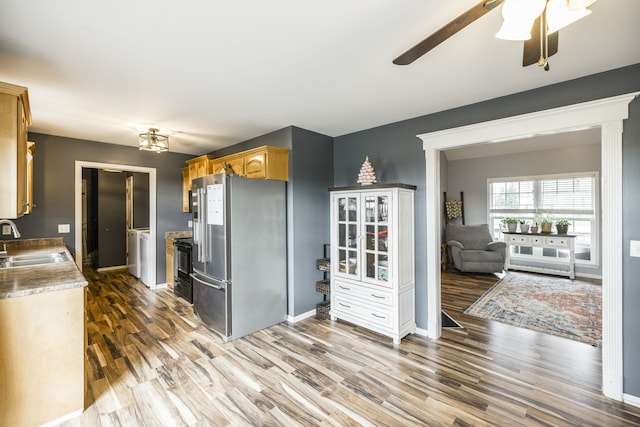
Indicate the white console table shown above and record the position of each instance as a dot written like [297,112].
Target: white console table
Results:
[552,241]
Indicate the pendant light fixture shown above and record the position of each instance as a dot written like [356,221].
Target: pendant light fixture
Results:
[153,141]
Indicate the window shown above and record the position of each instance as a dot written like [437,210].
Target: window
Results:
[569,196]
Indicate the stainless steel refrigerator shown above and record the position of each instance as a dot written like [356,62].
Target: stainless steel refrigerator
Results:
[239,253]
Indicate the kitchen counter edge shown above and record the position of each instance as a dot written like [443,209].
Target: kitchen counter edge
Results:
[25,281]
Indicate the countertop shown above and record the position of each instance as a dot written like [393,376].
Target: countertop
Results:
[30,280]
[177,234]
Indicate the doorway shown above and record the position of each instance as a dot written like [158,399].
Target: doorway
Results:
[607,115]
[79,165]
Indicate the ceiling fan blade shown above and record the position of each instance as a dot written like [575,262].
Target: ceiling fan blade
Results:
[447,31]
[532,48]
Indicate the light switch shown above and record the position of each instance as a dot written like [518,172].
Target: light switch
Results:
[64,228]
[190,224]
[634,249]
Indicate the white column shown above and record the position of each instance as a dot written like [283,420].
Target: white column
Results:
[612,364]
[434,327]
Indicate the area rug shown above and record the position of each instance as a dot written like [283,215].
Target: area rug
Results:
[557,306]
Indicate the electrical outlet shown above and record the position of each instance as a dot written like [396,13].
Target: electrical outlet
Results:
[6,230]
[634,248]
[64,228]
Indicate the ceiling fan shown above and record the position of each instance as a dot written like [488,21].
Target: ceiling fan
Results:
[536,22]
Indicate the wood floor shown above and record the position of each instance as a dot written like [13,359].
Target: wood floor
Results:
[152,364]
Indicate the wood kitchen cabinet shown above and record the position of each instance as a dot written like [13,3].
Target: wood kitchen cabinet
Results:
[186,187]
[42,355]
[267,163]
[169,261]
[15,117]
[200,166]
[230,164]
[31,153]
[263,162]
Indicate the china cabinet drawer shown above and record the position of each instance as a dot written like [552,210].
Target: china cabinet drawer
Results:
[371,314]
[368,293]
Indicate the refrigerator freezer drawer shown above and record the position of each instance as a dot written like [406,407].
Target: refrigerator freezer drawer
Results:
[210,304]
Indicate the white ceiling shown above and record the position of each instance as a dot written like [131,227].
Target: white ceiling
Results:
[214,73]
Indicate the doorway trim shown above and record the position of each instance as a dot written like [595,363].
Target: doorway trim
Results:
[80,164]
[606,114]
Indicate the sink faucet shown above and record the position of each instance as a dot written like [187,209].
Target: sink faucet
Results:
[14,229]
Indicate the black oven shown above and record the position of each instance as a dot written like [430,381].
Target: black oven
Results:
[183,286]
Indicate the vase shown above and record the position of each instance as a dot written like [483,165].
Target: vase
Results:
[534,228]
[546,227]
[562,229]
[524,228]
[512,227]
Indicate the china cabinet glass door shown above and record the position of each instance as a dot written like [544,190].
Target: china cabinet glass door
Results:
[376,224]
[348,216]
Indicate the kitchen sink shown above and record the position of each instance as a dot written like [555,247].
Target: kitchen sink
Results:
[11,261]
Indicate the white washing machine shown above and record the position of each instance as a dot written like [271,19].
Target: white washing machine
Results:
[133,258]
[144,251]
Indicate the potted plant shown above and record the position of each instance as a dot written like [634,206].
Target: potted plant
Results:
[545,221]
[524,226]
[510,223]
[562,226]
[534,227]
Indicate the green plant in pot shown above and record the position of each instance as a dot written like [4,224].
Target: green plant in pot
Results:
[562,226]
[524,226]
[545,221]
[510,223]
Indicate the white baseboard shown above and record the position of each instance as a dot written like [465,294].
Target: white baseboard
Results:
[631,400]
[422,332]
[115,267]
[298,318]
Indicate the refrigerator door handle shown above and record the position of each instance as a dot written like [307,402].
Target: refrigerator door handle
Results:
[203,255]
[211,285]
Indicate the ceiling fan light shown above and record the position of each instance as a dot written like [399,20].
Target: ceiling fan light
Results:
[511,30]
[559,15]
[152,141]
[519,16]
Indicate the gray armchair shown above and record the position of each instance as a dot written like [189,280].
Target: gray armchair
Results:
[472,248]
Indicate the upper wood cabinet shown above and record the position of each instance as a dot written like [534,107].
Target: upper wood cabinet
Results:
[200,166]
[186,187]
[15,117]
[31,153]
[264,162]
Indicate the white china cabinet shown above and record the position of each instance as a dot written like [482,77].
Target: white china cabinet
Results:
[372,258]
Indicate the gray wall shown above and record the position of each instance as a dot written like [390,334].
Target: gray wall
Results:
[54,170]
[397,155]
[312,169]
[631,231]
[310,175]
